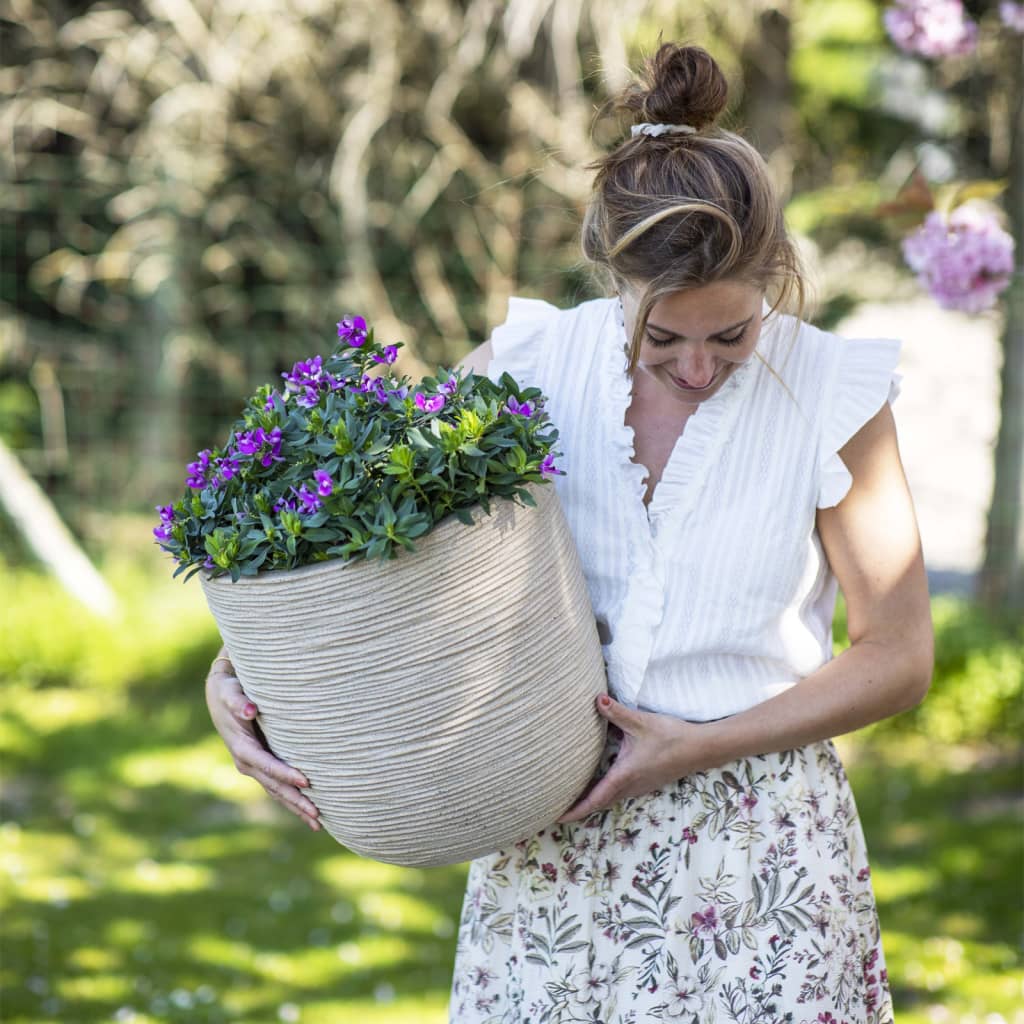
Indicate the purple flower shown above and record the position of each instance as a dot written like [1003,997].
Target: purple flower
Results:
[547,466]
[227,467]
[519,408]
[450,386]
[198,470]
[931,28]
[965,261]
[285,504]
[249,442]
[309,501]
[307,379]
[1012,16]
[434,404]
[706,921]
[324,483]
[389,355]
[400,392]
[268,405]
[274,455]
[353,330]
[163,531]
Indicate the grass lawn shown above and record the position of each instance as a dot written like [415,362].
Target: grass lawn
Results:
[145,880]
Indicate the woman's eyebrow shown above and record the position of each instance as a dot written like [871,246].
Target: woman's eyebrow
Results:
[724,330]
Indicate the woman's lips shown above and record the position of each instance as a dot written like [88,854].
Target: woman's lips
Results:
[679,383]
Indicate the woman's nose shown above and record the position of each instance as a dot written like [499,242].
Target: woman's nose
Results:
[695,365]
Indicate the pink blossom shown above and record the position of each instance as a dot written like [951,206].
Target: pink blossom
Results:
[433,404]
[964,261]
[931,28]
[706,921]
[1012,16]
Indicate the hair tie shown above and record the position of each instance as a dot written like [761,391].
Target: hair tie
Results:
[659,129]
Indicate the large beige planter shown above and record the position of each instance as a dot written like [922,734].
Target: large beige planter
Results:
[442,703]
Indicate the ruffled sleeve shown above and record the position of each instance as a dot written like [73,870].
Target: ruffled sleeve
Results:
[864,379]
[517,343]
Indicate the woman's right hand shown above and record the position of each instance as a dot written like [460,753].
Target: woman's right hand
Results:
[233,713]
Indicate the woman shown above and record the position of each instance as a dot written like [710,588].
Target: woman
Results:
[728,465]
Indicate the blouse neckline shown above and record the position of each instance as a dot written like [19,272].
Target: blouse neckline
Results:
[695,450]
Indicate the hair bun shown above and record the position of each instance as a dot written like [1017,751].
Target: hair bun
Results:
[679,85]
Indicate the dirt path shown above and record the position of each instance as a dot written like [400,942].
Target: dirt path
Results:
[947,416]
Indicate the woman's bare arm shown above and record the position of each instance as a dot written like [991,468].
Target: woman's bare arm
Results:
[872,543]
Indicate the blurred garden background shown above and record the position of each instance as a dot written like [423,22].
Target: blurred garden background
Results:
[194,192]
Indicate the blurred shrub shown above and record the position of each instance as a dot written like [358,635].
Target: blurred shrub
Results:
[977,692]
[47,638]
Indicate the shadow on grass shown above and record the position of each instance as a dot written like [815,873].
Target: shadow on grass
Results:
[944,838]
[148,881]
[150,878]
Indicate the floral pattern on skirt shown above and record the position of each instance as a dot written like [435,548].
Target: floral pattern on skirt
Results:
[741,894]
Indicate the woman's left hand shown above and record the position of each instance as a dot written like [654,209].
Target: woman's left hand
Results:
[655,749]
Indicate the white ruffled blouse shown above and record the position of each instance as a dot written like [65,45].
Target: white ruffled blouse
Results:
[718,594]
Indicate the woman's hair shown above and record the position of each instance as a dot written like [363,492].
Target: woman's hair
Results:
[683,210]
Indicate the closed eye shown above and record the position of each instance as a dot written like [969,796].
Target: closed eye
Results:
[662,342]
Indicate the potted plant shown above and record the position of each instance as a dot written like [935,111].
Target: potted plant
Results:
[400,595]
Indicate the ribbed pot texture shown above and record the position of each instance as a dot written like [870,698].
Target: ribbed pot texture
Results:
[441,704]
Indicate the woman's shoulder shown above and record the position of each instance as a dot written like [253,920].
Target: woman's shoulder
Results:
[821,364]
[536,335]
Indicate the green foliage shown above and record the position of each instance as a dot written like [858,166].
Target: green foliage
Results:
[977,691]
[19,414]
[346,465]
[146,880]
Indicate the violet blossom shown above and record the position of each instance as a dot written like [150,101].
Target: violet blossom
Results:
[197,471]
[433,404]
[309,501]
[253,442]
[450,386]
[163,531]
[931,28]
[285,504]
[324,483]
[388,356]
[308,379]
[964,261]
[547,466]
[519,408]
[353,330]
[227,467]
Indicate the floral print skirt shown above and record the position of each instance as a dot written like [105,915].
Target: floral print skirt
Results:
[739,894]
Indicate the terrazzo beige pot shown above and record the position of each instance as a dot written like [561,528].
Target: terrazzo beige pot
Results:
[441,704]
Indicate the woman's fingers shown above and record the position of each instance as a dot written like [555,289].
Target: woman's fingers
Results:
[231,693]
[234,716]
[256,757]
[280,780]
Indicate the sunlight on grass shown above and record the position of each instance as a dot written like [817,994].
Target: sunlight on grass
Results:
[145,881]
[349,872]
[383,1008]
[149,876]
[899,883]
[203,766]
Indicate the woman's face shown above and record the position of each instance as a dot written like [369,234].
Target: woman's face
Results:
[696,338]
